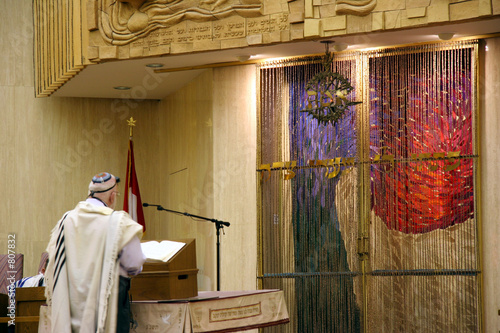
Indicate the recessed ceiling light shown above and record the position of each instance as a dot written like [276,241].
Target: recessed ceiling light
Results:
[154,65]
[121,88]
[340,47]
[243,57]
[446,35]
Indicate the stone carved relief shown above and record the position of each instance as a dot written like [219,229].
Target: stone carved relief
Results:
[355,7]
[123,21]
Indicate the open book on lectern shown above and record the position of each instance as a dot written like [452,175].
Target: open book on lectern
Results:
[160,251]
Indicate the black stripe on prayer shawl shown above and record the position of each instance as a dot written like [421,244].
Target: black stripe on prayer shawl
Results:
[60,242]
[60,258]
[61,226]
[60,247]
[57,277]
[59,267]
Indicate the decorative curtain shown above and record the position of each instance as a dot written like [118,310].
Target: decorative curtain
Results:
[423,229]
[368,224]
[303,249]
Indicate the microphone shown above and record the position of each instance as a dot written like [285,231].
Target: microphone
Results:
[158,207]
[147,205]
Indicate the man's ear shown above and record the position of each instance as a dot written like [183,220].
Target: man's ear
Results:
[112,198]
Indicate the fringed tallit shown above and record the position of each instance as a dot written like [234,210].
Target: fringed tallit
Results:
[83,269]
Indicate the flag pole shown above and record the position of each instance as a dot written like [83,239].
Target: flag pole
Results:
[132,203]
[131,123]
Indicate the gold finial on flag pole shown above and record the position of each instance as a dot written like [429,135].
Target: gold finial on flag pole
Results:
[131,124]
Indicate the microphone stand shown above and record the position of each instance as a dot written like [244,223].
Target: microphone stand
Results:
[218,226]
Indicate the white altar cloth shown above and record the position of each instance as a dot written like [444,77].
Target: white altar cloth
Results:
[210,311]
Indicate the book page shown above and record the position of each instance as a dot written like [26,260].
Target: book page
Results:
[161,251]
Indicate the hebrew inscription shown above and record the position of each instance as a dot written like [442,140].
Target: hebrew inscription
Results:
[124,21]
[267,24]
[230,28]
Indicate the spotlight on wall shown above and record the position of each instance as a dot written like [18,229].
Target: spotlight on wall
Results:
[243,57]
[446,35]
[338,47]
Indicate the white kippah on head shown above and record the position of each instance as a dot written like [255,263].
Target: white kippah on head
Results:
[102,182]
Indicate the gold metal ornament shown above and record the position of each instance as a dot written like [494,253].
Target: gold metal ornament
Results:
[131,123]
[327,93]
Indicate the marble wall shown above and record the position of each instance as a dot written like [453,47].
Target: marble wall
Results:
[489,85]
[207,152]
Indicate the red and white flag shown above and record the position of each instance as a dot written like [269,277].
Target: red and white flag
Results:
[132,203]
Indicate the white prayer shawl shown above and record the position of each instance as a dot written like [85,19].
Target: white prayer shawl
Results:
[82,274]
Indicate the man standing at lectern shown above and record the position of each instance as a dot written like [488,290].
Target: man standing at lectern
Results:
[93,250]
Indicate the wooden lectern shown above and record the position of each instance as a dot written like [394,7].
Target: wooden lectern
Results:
[174,279]
[28,302]
[28,305]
